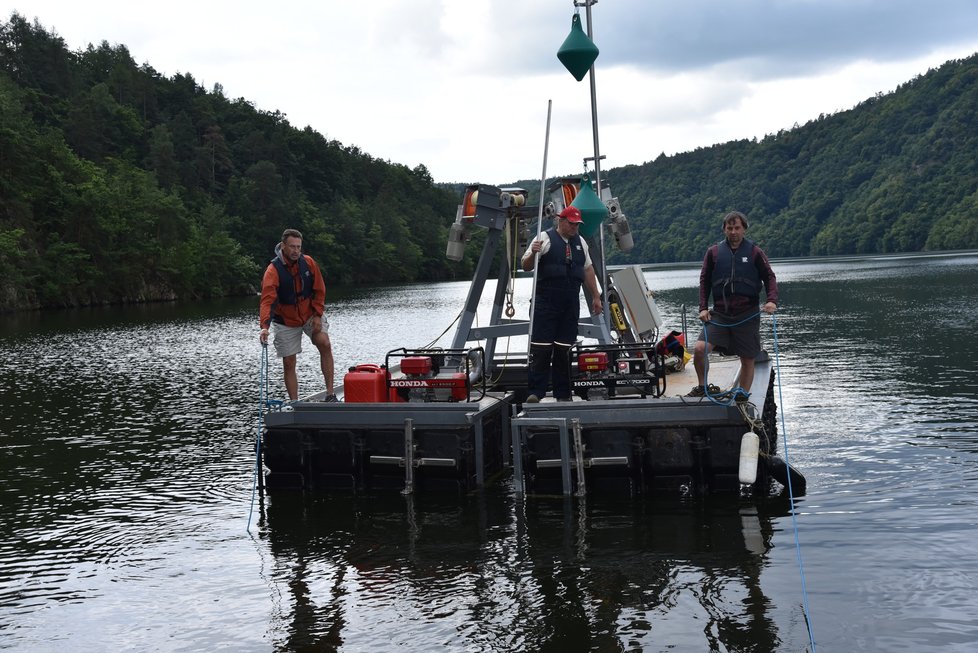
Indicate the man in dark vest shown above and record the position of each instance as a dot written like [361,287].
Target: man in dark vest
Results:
[293,296]
[565,265]
[733,272]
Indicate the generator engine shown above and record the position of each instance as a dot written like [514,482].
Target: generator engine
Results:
[432,375]
[592,368]
[606,371]
[424,384]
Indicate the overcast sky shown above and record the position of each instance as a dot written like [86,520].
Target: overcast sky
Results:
[462,86]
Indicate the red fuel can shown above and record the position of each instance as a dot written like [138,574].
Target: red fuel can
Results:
[365,383]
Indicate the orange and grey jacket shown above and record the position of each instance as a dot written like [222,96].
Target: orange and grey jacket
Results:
[291,294]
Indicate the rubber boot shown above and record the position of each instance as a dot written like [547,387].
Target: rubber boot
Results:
[538,370]
[561,371]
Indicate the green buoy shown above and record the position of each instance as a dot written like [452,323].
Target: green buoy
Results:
[578,52]
[593,211]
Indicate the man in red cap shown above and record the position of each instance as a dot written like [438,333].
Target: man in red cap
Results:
[565,265]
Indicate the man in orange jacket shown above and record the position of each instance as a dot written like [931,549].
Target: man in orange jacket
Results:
[293,296]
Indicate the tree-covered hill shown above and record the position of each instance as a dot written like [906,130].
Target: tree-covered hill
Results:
[897,173]
[118,184]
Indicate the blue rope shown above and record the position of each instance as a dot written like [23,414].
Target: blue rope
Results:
[262,402]
[791,497]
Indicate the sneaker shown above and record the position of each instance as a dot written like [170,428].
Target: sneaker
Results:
[533,399]
[330,398]
[565,399]
[697,391]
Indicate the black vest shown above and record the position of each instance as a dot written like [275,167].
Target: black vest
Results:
[735,272]
[556,264]
[286,285]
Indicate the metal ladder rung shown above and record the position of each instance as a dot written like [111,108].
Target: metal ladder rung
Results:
[603,461]
[419,462]
[606,461]
[552,462]
[387,460]
[436,462]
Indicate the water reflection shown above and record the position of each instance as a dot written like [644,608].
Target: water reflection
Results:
[494,573]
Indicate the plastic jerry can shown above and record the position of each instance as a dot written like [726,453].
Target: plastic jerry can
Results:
[365,383]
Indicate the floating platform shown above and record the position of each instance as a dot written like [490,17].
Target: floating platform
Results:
[629,444]
[430,420]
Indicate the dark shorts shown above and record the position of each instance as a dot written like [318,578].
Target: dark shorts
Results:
[742,338]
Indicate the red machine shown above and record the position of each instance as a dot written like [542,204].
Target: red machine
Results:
[425,376]
[423,381]
[607,371]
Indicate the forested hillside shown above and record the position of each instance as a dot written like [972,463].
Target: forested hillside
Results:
[118,184]
[898,173]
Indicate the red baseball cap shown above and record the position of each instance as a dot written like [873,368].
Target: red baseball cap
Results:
[571,214]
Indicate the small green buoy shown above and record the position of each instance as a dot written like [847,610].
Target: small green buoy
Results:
[578,52]
[593,211]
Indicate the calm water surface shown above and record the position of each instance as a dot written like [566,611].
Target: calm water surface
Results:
[126,452]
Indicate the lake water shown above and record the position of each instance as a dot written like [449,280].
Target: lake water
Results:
[127,458]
